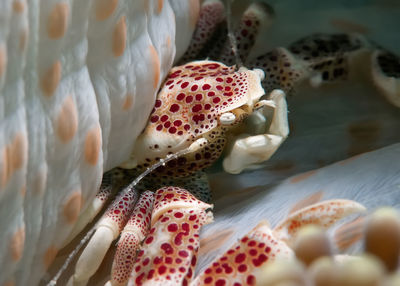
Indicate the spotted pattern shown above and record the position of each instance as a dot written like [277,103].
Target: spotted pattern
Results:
[193,95]
[211,14]
[323,214]
[281,70]
[246,33]
[118,213]
[134,232]
[236,265]
[169,252]
[188,107]
[327,54]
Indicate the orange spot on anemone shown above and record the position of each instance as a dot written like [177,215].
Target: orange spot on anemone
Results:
[303,176]
[92,146]
[18,7]
[105,8]
[17,244]
[119,37]
[67,120]
[57,21]
[72,207]
[49,256]
[50,79]
[156,65]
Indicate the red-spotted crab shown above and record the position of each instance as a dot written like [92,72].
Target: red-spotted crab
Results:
[180,124]
[203,108]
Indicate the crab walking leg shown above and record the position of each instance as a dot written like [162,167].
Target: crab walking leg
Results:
[211,14]
[134,232]
[93,209]
[255,149]
[258,16]
[108,228]
[237,265]
[323,214]
[169,252]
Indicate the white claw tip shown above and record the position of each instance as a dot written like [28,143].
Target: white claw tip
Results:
[260,73]
[227,118]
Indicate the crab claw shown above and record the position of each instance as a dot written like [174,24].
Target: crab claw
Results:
[386,75]
[249,151]
[134,232]
[323,214]
[197,101]
[108,229]
[237,265]
[168,255]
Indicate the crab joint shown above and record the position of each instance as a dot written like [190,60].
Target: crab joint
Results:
[169,252]
[108,229]
[134,232]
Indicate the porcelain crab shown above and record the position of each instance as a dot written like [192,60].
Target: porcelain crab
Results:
[178,122]
[71,198]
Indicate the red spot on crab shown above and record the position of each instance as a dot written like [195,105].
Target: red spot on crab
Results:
[197,108]
[178,123]
[158,103]
[167,248]
[206,86]
[240,258]
[174,107]
[180,96]
[189,99]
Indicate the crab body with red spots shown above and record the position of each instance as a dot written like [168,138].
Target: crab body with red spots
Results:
[191,105]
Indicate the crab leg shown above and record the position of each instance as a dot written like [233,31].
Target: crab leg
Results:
[134,232]
[168,255]
[93,209]
[323,214]
[237,265]
[257,16]
[244,261]
[108,229]
[258,148]
[211,14]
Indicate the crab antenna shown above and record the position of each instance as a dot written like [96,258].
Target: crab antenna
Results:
[193,147]
[88,235]
[231,34]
